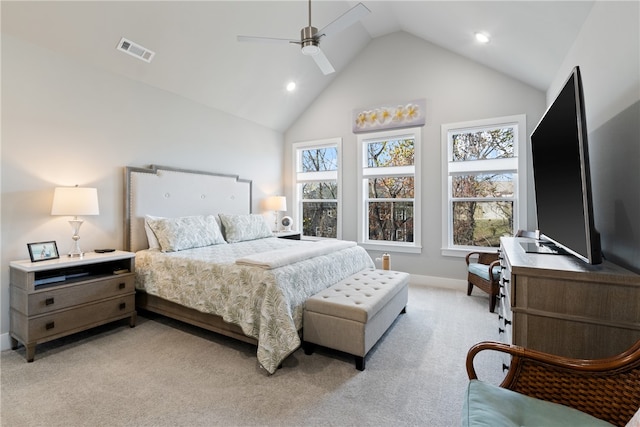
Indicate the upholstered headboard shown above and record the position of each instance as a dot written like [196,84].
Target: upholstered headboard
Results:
[171,192]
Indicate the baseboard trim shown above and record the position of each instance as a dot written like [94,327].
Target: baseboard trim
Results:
[438,282]
[5,341]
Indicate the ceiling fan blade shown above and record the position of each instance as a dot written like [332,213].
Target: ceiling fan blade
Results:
[266,40]
[347,19]
[323,62]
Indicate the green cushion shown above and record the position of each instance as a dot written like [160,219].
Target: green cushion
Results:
[482,270]
[489,405]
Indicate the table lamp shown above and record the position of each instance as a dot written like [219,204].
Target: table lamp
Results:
[74,201]
[276,204]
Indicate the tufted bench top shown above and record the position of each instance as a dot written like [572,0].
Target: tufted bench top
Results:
[360,296]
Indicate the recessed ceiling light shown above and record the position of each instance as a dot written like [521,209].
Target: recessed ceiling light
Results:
[291,86]
[482,37]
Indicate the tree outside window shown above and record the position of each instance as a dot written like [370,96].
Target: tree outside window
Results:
[482,191]
[389,188]
[317,186]
[390,197]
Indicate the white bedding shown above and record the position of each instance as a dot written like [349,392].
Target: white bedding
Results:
[289,255]
[266,302]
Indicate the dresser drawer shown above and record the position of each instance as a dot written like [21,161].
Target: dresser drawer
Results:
[80,318]
[80,293]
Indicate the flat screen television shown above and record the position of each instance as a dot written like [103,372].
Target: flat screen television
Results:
[562,179]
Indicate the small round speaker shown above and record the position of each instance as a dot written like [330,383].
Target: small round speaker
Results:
[286,222]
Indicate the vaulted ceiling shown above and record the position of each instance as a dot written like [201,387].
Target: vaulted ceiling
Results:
[197,54]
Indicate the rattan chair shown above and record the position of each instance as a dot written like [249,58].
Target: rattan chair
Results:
[608,389]
[484,273]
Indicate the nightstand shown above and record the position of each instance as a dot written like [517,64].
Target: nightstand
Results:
[292,235]
[55,298]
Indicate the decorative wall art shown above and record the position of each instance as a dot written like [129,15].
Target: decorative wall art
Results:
[409,114]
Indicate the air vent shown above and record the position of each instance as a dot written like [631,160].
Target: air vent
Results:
[134,49]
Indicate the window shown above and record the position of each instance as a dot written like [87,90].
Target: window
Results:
[483,198]
[389,193]
[317,188]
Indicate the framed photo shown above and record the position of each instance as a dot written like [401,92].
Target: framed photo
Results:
[42,251]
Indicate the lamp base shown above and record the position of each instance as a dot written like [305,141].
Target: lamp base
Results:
[75,247]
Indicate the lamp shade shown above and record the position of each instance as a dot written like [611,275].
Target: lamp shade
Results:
[277,203]
[75,201]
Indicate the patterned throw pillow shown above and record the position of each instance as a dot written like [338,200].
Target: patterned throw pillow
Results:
[238,228]
[178,234]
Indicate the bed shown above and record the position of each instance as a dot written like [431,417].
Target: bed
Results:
[203,258]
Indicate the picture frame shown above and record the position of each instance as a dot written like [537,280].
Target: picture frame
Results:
[43,251]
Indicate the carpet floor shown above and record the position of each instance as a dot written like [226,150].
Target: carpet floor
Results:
[166,373]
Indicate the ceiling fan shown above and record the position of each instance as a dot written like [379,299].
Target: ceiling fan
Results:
[310,36]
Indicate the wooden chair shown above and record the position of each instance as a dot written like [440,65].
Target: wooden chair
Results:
[483,275]
[608,389]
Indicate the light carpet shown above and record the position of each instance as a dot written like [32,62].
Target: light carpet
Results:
[165,373]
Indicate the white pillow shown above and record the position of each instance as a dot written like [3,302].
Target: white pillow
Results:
[238,228]
[151,236]
[177,234]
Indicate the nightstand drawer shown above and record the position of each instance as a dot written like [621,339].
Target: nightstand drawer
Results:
[80,318]
[80,293]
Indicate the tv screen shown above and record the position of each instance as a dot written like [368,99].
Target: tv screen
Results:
[561,175]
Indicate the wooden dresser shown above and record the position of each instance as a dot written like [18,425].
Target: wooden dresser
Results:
[561,305]
[55,298]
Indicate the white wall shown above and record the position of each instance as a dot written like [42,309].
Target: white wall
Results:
[399,68]
[608,53]
[67,123]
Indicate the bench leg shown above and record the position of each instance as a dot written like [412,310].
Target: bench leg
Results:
[360,363]
[308,347]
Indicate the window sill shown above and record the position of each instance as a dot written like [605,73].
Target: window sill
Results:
[386,247]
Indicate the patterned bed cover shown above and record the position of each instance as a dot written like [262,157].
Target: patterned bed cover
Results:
[266,303]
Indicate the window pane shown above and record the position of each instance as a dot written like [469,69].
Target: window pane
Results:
[481,223]
[320,190]
[391,187]
[320,219]
[320,159]
[483,185]
[391,221]
[396,152]
[484,144]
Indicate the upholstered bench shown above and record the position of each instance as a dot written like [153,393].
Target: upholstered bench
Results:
[353,314]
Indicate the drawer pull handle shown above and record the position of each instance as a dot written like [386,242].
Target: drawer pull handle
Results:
[49,301]
[507,322]
[50,325]
[505,367]
[121,286]
[500,331]
[123,305]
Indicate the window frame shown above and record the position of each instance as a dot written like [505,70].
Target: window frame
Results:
[364,173]
[516,165]
[299,178]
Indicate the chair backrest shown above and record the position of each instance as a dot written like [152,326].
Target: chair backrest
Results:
[609,390]
[487,257]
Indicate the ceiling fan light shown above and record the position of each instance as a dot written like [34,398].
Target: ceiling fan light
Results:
[309,41]
[310,49]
